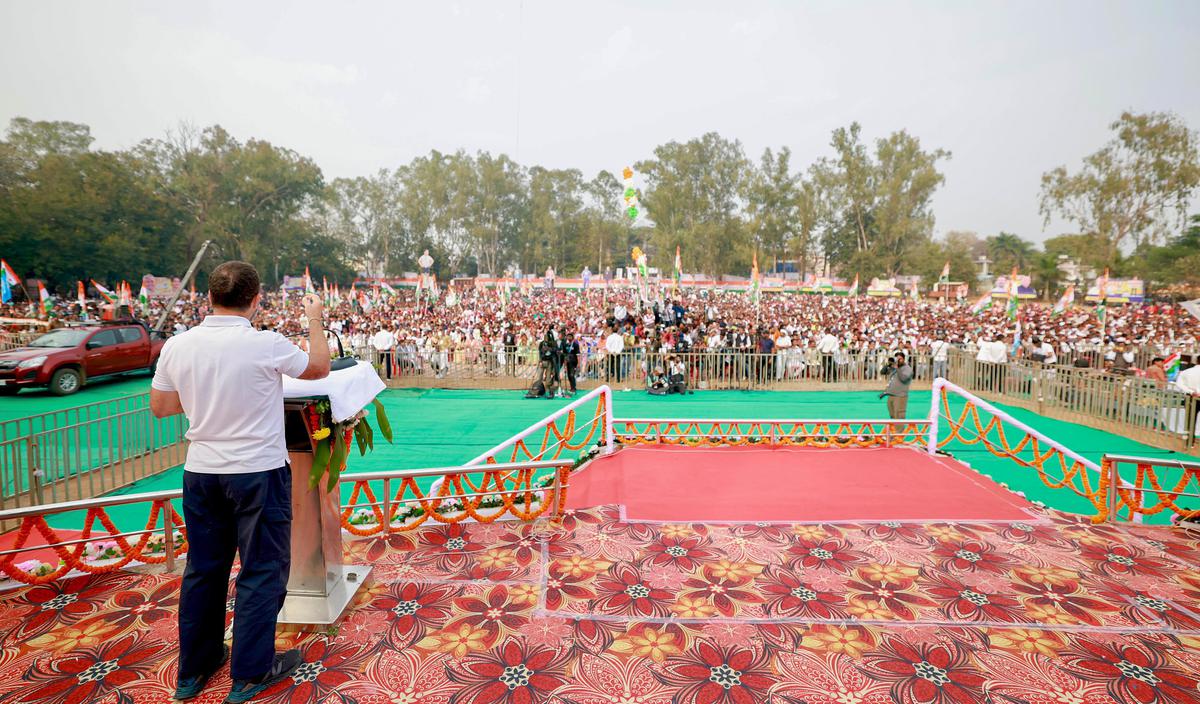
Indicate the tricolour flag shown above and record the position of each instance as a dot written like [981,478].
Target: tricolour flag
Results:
[984,302]
[853,291]
[1171,365]
[5,290]
[308,284]
[107,295]
[144,299]
[1013,295]
[678,268]
[9,275]
[44,295]
[945,277]
[1065,302]
[387,289]
[82,295]
[1102,306]
[126,294]
[754,285]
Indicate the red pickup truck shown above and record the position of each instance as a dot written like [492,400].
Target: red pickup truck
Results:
[65,359]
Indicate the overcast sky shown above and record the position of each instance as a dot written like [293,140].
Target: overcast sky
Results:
[1012,89]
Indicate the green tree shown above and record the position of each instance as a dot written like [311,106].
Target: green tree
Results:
[694,196]
[1134,188]
[773,204]
[877,209]
[1008,251]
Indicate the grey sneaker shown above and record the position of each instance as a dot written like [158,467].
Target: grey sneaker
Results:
[245,690]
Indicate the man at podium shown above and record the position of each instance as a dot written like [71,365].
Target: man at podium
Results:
[227,378]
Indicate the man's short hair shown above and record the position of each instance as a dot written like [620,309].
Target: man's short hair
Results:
[233,285]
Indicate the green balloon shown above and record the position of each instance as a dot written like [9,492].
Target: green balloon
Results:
[629,193]
[632,213]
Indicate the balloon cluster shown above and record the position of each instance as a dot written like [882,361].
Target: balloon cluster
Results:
[631,197]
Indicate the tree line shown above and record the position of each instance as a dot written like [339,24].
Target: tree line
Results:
[70,212]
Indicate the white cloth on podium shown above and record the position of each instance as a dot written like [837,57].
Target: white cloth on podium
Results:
[349,390]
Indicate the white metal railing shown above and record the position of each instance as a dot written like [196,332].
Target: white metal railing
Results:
[160,502]
[604,413]
[1148,483]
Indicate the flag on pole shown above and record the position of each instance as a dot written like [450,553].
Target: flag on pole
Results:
[144,299]
[1065,302]
[678,268]
[126,297]
[945,277]
[1171,365]
[5,290]
[107,295]
[1102,305]
[853,290]
[391,292]
[9,275]
[308,284]
[44,295]
[984,302]
[1013,297]
[82,296]
[754,285]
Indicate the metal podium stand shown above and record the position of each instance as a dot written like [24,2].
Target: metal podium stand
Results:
[320,585]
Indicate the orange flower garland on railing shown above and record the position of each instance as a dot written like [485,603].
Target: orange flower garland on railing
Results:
[505,486]
[1130,499]
[1001,447]
[72,558]
[699,433]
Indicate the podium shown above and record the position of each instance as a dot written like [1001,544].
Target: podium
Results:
[320,584]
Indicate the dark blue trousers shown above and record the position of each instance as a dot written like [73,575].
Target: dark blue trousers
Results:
[250,514]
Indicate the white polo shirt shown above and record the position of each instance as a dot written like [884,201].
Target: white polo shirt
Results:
[229,378]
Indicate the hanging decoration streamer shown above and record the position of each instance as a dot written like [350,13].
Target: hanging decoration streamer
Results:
[631,196]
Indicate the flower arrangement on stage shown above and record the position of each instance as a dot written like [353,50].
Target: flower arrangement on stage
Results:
[333,440]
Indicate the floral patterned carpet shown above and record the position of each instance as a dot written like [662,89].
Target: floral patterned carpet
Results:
[599,610]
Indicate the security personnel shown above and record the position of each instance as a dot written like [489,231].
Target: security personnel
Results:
[227,378]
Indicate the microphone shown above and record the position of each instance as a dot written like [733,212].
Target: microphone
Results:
[339,362]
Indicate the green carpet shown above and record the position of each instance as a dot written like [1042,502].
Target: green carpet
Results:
[34,401]
[447,427]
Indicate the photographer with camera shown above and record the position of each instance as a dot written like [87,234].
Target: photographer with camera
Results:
[899,375]
[569,354]
[548,358]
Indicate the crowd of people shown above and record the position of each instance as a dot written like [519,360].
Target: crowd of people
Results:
[597,325]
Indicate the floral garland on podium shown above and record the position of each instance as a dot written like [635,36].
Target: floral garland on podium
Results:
[329,457]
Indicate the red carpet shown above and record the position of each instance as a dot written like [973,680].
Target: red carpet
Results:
[789,484]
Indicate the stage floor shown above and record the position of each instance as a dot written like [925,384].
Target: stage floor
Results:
[600,609]
[791,485]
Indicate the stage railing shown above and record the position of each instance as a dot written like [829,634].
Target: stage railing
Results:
[1146,495]
[93,553]
[1056,465]
[800,433]
[1138,408]
[584,422]
[526,491]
